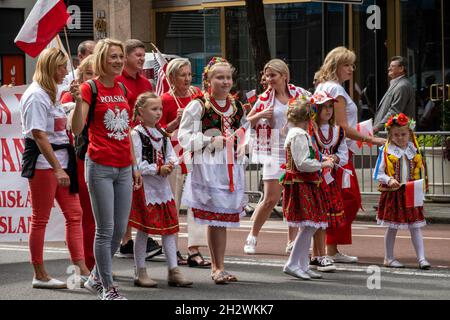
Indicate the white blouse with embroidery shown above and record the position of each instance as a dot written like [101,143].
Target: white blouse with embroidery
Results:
[405,155]
[300,143]
[157,188]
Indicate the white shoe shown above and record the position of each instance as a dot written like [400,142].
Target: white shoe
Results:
[112,294]
[424,264]
[94,286]
[343,258]
[250,245]
[394,263]
[313,275]
[298,273]
[51,284]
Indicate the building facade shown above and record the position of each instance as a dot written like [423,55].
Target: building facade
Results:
[302,32]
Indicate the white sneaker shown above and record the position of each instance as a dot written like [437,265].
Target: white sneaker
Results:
[298,273]
[325,265]
[112,294]
[250,245]
[394,263]
[94,286]
[343,258]
[51,284]
[313,275]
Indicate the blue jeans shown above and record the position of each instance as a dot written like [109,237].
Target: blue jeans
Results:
[110,190]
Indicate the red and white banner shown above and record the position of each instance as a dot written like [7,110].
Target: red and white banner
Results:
[15,201]
[45,20]
[414,194]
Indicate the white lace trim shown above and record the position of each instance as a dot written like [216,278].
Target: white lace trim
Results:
[395,225]
[308,223]
[201,206]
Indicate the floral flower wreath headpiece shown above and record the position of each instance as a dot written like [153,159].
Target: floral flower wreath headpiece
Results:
[400,120]
[311,107]
[212,62]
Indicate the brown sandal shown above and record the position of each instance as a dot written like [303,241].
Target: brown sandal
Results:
[230,277]
[219,277]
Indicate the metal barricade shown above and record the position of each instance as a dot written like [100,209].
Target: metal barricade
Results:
[435,148]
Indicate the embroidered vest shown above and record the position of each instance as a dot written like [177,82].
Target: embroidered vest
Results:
[294,175]
[149,153]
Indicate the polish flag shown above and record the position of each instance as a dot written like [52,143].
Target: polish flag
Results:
[414,194]
[365,128]
[46,19]
[251,96]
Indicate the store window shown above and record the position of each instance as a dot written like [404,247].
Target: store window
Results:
[191,34]
[426,45]
[369,44]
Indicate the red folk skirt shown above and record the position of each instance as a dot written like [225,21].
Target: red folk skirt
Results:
[332,203]
[302,205]
[352,203]
[392,211]
[155,218]
[216,219]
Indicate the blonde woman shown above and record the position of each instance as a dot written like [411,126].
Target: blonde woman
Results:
[111,171]
[174,103]
[268,116]
[49,164]
[336,69]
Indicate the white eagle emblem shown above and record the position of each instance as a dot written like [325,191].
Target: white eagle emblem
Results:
[117,122]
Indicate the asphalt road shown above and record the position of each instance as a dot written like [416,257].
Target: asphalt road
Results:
[260,276]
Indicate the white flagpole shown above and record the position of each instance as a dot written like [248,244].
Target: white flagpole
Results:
[68,52]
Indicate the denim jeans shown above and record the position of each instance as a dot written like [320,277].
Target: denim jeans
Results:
[110,190]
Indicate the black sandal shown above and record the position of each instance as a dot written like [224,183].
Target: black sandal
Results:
[193,262]
[181,260]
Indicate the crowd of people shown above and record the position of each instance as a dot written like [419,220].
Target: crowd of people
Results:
[116,156]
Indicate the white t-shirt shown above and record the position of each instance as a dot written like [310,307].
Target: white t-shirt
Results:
[38,112]
[336,90]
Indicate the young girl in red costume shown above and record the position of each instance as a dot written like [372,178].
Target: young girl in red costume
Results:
[399,162]
[331,143]
[302,201]
[153,209]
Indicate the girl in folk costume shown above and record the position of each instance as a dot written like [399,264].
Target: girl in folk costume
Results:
[174,103]
[215,187]
[302,201]
[268,117]
[399,162]
[337,68]
[331,143]
[153,208]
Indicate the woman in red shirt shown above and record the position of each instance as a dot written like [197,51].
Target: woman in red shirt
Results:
[181,93]
[111,171]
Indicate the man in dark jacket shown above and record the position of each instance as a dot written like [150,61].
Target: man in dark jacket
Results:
[400,96]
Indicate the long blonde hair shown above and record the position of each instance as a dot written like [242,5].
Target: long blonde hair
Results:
[101,54]
[334,59]
[48,62]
